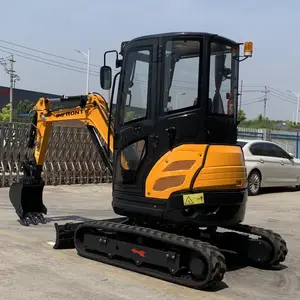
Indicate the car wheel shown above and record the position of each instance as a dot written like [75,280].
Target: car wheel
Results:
[254,181]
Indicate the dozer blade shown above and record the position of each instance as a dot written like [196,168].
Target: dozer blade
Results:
[27,199]
[65,235]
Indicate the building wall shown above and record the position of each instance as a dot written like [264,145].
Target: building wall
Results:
[19,95]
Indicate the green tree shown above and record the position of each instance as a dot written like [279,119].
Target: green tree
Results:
[23,107]
[241,116]
[5,113]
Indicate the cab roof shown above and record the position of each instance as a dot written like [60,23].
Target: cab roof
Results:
[179,34]
[183,33]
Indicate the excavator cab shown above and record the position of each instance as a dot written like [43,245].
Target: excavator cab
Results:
[175,113]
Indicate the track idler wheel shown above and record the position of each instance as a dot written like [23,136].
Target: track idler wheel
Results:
[27,199]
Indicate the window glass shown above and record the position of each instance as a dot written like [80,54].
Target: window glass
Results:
[222,80]
[267,149]
[277,151]
[181,74]
[257,149]
[136,85]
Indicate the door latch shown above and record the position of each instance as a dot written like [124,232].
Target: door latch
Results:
[171,134]
[137,129]
[152,143]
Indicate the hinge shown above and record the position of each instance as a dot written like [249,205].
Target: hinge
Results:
[160,53]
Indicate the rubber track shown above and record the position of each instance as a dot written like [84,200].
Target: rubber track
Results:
[215,259]
[278,243]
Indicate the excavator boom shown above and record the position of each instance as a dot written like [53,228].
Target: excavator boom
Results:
[90,109]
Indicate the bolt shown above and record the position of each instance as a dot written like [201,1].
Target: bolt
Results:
[167,255]
[173,256]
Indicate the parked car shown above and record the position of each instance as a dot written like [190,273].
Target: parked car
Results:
[269,165]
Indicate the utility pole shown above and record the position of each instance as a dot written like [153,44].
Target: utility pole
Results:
[8,65]
[241,94]
[266,91]
[11,73]
[298,100]
[87,56]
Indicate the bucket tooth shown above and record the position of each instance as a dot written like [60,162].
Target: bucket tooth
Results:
[27,199]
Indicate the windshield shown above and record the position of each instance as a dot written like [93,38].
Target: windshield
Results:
[223,80]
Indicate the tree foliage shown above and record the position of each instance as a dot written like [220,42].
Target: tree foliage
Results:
[241,116]
[23,107]
[5,113]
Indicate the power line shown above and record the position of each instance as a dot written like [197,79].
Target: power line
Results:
[255,100]
[286,95]
[47,63]
[47,53]
[281,98]
[41,58]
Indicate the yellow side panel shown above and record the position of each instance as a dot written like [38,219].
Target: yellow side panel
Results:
[224,169]
[174,171]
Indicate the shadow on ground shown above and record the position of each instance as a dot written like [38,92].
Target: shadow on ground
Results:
[72,218]
[275,190]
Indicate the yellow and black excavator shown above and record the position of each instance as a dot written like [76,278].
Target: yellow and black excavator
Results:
[170,143]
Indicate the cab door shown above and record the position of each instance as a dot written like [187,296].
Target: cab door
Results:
[134,139]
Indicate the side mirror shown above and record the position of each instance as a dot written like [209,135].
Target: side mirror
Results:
[105,77]
[291,155]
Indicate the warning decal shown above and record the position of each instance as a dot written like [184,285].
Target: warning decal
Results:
[193,199]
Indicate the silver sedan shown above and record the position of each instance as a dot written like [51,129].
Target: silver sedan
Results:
[269,165]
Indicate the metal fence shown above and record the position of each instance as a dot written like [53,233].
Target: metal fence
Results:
[71,157]
[288,140]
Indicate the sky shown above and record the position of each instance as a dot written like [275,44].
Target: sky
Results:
[60,27]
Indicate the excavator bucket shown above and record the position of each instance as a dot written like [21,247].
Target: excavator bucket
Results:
[27,199]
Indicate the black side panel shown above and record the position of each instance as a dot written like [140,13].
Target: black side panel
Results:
[221,130]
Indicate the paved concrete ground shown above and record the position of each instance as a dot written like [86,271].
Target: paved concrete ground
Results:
[31,269]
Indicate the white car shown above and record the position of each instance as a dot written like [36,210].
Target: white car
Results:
[268,165]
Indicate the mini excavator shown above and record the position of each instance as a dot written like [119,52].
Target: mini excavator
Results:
[170,143]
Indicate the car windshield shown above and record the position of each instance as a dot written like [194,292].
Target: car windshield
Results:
[241,144]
